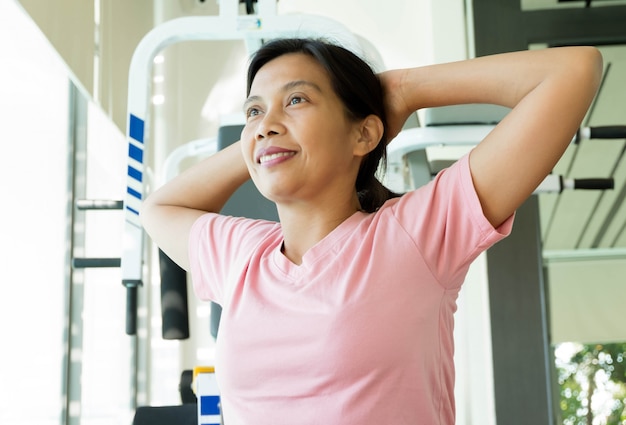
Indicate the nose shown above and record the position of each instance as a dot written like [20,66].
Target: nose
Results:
[270,125]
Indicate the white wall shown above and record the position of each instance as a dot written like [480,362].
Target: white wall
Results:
[587,306]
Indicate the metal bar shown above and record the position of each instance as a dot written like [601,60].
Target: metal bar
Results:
[99,204]
[86,263]
[517,304]
[593,254]
[73,334]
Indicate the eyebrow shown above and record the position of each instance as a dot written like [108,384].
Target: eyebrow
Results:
[287,87]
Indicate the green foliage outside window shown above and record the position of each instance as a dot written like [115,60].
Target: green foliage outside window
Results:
[592,381]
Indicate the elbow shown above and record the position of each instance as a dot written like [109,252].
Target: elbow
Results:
[580,74]
[596,61]
[145,213]
[589,61]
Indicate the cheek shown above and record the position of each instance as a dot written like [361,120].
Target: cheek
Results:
[246,132]
[247,146]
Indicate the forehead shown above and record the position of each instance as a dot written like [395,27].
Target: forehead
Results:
[290,67]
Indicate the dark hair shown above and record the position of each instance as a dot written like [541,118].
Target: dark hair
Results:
[360,91]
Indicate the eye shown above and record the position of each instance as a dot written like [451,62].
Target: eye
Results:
[252,112]
[294,100]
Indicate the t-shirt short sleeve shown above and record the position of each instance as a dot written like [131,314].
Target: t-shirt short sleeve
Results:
[446,221]
[217,243]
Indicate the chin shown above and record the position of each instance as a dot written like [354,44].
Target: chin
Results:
[270,195]
[276,191]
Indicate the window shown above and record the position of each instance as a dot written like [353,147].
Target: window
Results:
[34,176]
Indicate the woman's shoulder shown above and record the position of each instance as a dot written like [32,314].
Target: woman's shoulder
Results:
[220,224]
[232,234]
[446,183]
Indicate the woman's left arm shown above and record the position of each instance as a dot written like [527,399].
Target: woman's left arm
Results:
[549,92]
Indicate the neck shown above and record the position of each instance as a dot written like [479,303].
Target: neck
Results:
[305,225]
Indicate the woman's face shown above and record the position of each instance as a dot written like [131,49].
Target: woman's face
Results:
[298,143]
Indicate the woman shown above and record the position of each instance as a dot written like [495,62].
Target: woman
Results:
[343,312]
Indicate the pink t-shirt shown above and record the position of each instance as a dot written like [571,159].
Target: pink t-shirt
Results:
[362,331]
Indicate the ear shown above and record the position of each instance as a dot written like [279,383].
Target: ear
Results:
[370,132]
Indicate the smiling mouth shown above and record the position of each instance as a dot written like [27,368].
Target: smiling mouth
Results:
[266,158]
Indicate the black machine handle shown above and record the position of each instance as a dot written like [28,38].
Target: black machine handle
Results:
[131,306]
[131,311]
[608,132]
[594,184]
[86,263]
[602,132]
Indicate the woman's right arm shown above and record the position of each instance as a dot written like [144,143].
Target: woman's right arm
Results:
[168,213]
[548,90]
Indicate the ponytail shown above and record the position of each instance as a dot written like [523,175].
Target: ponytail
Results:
[372,194]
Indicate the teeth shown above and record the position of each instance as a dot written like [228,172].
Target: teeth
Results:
[266,158]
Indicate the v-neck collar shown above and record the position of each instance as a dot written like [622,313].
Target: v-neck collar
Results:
[328,245]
